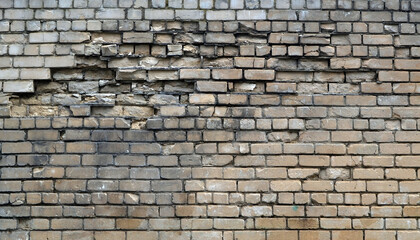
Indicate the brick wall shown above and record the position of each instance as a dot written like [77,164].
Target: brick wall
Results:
[210,119]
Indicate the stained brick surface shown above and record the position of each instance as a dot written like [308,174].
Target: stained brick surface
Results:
[210,119]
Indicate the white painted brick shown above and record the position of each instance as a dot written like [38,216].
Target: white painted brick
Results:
[80,14]
[35,73]
[18,14]
[153,14]
[59,61]
[49,14]
[110,13]
[189,14]
[74,37]
[220,15]
[9,73]
[251,15]
[43,37]
[28,62]
[18,86]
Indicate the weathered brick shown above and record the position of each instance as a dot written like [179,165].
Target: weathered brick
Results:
[279,234]
[253,186]
[308,112]
[162,160]
[368,223]
[335,223]
[74,37]
[283,38]
[281,87]
[131,37]
[79,13]
[110,13]
[154,14]
[226,223]
[289,211]
[251,15]
[382,186]
[211,86]
[353,211]
[376,16]
[166,185]
[18,86]
[138,136]
[281,15]
[318,141]
[81,147]
[317,185]
[149,235]
[35,73]
[345,16]
[377,39]
[391,211]
[347,234]
[285,186]
[19,147]
[43,37]
[345,63]
[99,223]
[8,224]
[220,74]
[78,211]
[46,211]
[407,64]
[252,211]
[105,185]
[303,223]
[194,73]
[375,112]
[59,61]
[19,13]
[220,15]
[259,74]
[377,63]
[220,38]
[202,99]
[189,14]
[10,186]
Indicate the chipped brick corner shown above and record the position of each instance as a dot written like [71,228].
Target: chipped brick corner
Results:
[210,119]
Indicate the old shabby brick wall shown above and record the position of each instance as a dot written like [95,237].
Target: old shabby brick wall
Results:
[255,119]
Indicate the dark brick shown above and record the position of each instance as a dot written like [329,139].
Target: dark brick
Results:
[138,136]
[107,136]
[97,159]
[113,147]
[171,136]
[76,135]
[43,135]
[32,160]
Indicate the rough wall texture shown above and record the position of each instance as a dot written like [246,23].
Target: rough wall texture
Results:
[138,119]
